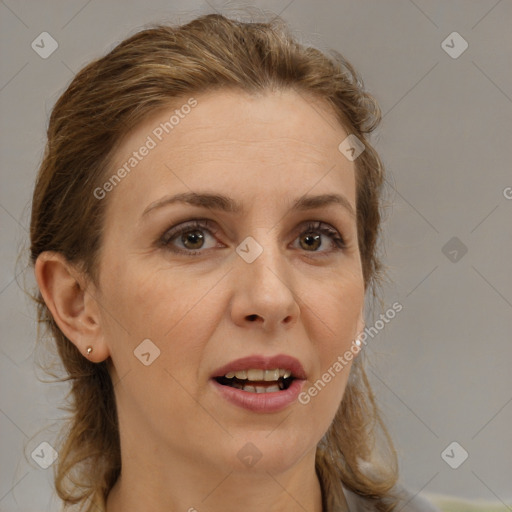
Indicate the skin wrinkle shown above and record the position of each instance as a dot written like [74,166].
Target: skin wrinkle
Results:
[311,155]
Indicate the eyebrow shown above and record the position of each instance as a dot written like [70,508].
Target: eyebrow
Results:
[226,204]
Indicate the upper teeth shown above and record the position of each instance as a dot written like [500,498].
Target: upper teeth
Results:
[260,375]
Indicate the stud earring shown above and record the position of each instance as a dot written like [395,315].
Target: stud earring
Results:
[89,350]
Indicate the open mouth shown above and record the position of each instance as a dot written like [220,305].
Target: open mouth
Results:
[258,381]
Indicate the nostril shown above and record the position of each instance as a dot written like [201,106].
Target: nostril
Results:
[252,317]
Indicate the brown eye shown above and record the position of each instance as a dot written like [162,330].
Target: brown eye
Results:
[309,241]
[192,236]
[192,239]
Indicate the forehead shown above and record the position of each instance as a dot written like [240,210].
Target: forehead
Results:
[274,118]
[232,140]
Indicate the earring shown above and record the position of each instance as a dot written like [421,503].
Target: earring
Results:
[89,350]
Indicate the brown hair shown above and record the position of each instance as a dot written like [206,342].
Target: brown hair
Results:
[146,73]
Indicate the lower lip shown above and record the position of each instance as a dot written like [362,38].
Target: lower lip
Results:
[261,402]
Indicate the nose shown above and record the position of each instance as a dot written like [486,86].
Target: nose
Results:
[264,289]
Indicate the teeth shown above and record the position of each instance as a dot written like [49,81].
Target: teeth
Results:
[271,375]
[254,374]
[261,389]
[279,386]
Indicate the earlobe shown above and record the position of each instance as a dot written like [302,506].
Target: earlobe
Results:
[64,292]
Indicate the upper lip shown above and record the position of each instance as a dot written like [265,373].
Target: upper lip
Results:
[261,362]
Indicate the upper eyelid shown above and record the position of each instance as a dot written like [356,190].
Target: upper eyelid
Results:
[212,225]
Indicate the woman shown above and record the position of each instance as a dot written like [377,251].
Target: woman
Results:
[204,231]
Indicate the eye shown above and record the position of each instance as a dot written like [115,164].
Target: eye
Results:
[191,236]
[311,238]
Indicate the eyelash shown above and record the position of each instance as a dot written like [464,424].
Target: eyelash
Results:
[204,224]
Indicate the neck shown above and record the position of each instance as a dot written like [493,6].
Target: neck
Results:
[187,485]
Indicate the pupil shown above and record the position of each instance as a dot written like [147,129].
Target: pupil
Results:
[311,239]
[194,236]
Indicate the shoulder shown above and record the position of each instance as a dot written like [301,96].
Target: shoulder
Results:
[407,501]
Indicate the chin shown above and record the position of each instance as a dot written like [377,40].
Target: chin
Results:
[272,451]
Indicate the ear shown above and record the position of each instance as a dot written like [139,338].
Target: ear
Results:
[71,302]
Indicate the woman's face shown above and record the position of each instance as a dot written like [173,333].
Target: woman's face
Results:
[177,309]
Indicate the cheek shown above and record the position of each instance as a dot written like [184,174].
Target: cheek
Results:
[334,308]
[176,312]
[152,301]
[333,313]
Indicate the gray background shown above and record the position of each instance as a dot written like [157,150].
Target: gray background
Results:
[441,367]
